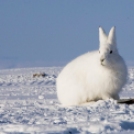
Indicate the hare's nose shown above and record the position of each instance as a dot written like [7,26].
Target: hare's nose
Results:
[102,59]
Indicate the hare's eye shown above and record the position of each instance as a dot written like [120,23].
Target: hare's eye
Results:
[111,51]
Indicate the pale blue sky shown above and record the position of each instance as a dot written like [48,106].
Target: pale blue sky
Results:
[53,32]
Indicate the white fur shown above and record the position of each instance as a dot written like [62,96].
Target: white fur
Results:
[86,78]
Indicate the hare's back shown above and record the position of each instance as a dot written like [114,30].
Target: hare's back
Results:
[83,61]
[80,66]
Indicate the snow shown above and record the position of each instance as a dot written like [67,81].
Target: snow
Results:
[29,105]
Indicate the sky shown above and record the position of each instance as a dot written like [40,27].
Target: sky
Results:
[39,33]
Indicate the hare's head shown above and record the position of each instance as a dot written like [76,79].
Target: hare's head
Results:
[108,52]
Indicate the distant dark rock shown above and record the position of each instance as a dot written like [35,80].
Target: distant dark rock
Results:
[39,75]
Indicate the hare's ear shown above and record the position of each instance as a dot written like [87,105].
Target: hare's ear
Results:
[112,36]
[102,35]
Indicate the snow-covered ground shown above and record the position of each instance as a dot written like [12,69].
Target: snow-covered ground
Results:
[30,105]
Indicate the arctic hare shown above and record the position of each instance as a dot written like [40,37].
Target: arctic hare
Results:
[95,75]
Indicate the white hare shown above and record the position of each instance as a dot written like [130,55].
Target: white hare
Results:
[95,75]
